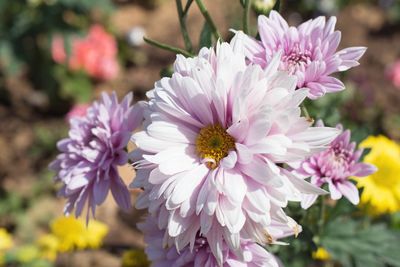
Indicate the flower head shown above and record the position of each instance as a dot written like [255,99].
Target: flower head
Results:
[48,246]
[6,240]
[321,254]
[87,165]
[334,166]
[309,51]
[381,190]
[161,251]
[215,134]
[73,233]
[96,53]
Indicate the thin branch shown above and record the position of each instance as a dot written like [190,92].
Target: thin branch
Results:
[209,20]
[188,4]
[281,6]
[246,15]
[176,50]
[182,22]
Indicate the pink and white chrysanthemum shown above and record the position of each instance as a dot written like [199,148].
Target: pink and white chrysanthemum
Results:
[334,166]
[161,251]
[89,157]
[309,51]
[216,135]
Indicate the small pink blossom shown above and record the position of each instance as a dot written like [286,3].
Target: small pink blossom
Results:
[309,51]
[96,53]
[334,166]
[393,73]
[78,110]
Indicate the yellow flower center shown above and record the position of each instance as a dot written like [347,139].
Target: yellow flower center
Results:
[214,143]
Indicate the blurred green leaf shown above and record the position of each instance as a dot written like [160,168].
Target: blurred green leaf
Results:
[78,87]
[205,36]
[8,59]
[353,243]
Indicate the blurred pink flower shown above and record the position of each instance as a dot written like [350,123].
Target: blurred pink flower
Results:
[309,51]
[393,73]
[57,50]
[78,110]
[96,53]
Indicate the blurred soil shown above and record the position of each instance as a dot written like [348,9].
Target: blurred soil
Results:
[25,129]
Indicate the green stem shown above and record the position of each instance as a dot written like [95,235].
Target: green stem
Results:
[305,111]
[209,20]
[281,6]
[188,4]
[321,219]
[176,50]
[246,15]
[182,22]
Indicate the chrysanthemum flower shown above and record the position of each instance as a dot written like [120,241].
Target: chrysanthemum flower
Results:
[381,190]
[215,136]
[309,51]
[87,165]
[161,251]
[334,167]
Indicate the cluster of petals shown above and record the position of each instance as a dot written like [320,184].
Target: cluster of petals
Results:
[309,51]
[95,53]
[334,166]
[237,190]
[161,251]
[87,164]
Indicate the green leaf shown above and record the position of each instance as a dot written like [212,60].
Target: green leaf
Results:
[364,245]
[242,2]
[78,87]
[10,63]
[206,36]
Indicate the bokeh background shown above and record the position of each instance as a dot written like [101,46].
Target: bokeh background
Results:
[58,55]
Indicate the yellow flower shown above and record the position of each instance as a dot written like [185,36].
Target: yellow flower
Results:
[135,258]
[321,254]
[95,234]
[382,189]
[74,234]
[48,246]
[6,241]
[27,254]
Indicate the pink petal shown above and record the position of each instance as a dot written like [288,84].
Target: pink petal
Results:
[350,191]
[120,193]
[335,192]
[307,200]
[364,169]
